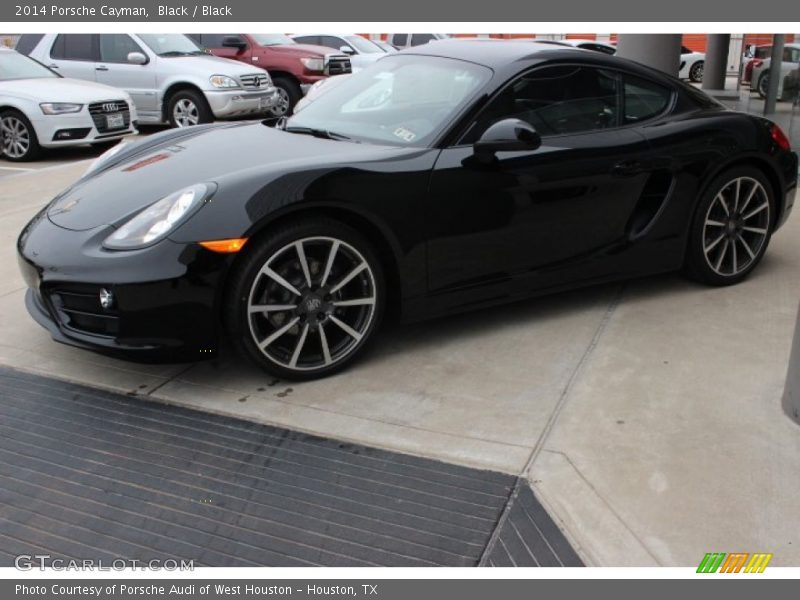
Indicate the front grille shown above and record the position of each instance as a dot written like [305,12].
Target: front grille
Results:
[338,65]
[78,307]
[101,110]
[255,81]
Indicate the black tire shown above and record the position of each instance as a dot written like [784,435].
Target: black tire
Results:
[696,72]
[763,84]
[291,94]
[249,286]
[22,126]
[719,251]
[201,113]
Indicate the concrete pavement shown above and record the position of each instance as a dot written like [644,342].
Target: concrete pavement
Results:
[646,415]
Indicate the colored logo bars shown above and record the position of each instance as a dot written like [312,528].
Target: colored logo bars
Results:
[736,562]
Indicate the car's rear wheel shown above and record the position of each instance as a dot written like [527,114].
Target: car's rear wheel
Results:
[306,299]
[187,108]
[763,84]
[732,227]
[18,141]
[288,95]
[696,72]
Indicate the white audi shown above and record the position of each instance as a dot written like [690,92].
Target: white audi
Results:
[41,109]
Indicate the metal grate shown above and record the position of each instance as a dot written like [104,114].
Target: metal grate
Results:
[338,65]
[101,110]
[254,81]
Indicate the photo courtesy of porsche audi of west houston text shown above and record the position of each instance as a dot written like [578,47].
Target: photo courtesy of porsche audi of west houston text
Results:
[121,12]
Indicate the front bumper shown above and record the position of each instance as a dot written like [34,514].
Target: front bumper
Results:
[226,104]
[166,297]
[54,131]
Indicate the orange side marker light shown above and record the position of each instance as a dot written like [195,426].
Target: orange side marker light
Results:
[230,246]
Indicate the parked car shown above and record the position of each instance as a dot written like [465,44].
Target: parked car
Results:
[40,109]
[447,178]
[756,57]
[170,78]
[294,67]
[321,87]
[385,46]
[407,40]
[692,65]
[362,52]
[762,71]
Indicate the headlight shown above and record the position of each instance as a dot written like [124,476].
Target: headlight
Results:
[223,81]
[105,156]
[313,64]
[60,108]
[157,220]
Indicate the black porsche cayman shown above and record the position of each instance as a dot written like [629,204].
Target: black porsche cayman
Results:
[449,177]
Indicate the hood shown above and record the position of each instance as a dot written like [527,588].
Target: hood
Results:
[146,171]
[300,50]
[207,65]
[52,89]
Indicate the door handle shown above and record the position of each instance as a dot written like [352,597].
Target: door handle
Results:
[52,66]
[626,168]
[101,68]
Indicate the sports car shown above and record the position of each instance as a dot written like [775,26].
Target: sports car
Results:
[444,178]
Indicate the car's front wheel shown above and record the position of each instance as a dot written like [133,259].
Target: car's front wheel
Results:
[763,84]
[288,95]
[187,108]
[732,227]
[306,299]
[696,72]
[18,141]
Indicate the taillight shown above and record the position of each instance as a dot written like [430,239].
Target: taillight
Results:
[780,138]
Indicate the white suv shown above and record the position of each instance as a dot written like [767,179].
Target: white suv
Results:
[170,78]
[39,109]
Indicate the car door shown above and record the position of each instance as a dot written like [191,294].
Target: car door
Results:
[74,55]
[113,69]
[531,217]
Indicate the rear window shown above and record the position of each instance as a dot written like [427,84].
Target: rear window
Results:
[644,99]
[74,46]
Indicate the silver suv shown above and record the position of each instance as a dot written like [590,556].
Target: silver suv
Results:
[170,78]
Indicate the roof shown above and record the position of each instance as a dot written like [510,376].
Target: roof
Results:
[489,52]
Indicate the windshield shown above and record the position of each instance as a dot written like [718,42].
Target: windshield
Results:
[403,100]
[271,39]
[16,66]
[170,44]
[363,46]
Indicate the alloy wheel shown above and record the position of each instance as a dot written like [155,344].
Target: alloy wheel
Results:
[311,303]
[281,108]
[736,226]
[697,72]
[15,137]
[185,113]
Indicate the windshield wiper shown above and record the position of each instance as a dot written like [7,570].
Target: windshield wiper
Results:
[180,53]
[320,133]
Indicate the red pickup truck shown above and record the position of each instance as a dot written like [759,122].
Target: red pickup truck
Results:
[293,67]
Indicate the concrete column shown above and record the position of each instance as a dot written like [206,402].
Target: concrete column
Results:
[775,79]
[716,66]
[791,394]
[661,51]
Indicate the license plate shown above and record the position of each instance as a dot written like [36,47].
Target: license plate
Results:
[115,121]
[265,102]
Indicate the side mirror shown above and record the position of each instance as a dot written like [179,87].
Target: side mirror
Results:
[137,58]
[508,135]
[346,50]
[232,41]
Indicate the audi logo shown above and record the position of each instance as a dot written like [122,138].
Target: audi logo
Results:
[110,107]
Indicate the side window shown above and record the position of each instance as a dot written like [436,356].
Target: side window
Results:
[214,40]
[27,42]
[791,55]
[417,39]
[115,47]
[74,46]
[400,39]
[333,42]
[195,37]
[644,99]
[308,39]
[600,48]
[556,101]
